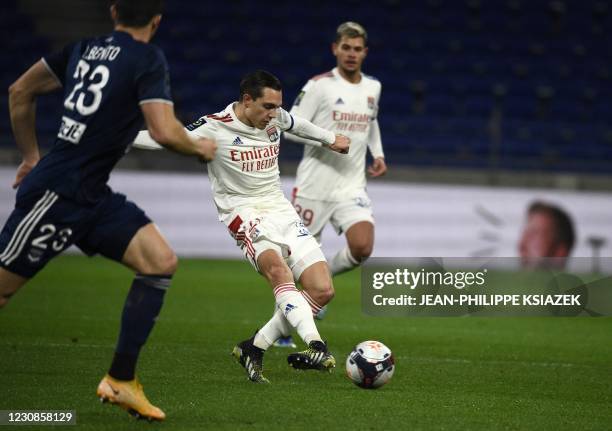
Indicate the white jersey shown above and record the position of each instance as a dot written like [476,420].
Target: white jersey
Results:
[331,102]
[245,168]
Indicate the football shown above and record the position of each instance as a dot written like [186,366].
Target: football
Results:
[370,365]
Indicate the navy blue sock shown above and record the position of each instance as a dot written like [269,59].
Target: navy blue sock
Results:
[142,306]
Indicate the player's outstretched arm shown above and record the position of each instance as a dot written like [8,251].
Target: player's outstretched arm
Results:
[35,81]
[309,132]
[167,131]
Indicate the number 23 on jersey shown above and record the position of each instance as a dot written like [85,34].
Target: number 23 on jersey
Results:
[85,99]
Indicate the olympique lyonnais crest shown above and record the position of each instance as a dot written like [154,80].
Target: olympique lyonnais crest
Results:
[272,133]
[371,102]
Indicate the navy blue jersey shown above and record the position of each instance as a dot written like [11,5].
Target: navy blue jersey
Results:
[105,79]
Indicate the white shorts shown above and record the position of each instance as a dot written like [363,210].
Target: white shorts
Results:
[273,224]
[342,214]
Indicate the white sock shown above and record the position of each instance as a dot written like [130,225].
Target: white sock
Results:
[297,311]
[314,306]
[277,327]
[342,261]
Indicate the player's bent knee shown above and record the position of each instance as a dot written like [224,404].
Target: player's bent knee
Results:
[361,251]
[168,263]
[323,296]
[165,262]
[327,294]
[322,292]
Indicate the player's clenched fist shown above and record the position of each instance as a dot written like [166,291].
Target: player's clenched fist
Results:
[378,167]
[341,144]
[208,148]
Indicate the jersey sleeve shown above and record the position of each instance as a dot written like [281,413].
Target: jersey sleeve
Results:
[374,139]
[284,120]
[306,103]
[57,62]
[201,129]
[153,78]
[144,141]
[304,132]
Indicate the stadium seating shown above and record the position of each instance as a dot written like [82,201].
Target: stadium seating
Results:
[526,84]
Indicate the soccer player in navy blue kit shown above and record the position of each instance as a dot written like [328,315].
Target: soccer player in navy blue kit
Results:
[109,83]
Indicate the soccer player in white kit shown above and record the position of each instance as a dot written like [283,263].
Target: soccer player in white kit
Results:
[249,200]
[344,100]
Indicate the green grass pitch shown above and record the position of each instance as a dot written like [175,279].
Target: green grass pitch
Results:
[57,337]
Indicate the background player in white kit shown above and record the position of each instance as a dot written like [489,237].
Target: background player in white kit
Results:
[246,186]
[344,100]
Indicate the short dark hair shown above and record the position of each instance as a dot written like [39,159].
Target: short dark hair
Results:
[253,83]
[137,13]
[564,226]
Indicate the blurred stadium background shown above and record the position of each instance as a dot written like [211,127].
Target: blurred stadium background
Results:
[484,94]
[486,106]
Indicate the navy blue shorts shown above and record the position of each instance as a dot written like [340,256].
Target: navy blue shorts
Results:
[41,227]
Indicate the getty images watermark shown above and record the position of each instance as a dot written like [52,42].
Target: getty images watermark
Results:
[482,287]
